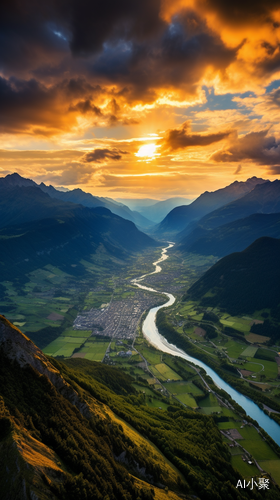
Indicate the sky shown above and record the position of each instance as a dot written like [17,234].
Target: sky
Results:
[140,98]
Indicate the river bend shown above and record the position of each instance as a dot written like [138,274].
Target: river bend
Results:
[151,332]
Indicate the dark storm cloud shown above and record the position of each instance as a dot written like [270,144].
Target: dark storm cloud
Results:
[179,57]
[93,23]
[101,155]
[180,138]
[86,106]
[256,146]
[29,103]
[31,32]
[125,42]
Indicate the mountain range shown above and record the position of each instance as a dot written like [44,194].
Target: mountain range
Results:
[264,199]
[77,196]
[232,237]
[180,217]
[37,230]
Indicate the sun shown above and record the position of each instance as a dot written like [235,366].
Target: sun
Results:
[148,150]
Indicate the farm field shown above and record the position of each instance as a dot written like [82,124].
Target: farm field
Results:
[95,351]
[188,400]
[250,351]
[248,471]
[272,466]
[183,387]
[165,372]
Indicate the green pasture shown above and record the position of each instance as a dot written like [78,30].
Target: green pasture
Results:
[178,364]
[255,445]
[70,332]
[182,387]
[188,400]
[54,346]
[250,351]
[252,367]
[260,450]
[265,352]
[209,401]
[270,367]
[95,351]
[233,348]
[239,324]
[209,404]
[151,355]
[236,451]
[244,468]
[167,372]
[273,467]
[64,346]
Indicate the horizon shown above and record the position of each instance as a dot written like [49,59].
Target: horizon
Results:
[127,199]
[156,99]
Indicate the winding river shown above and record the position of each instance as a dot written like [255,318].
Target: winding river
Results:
[151,332]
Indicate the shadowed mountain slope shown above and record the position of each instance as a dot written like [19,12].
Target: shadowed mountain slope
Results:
[263,199]
[40,230]
[76,196]
[243,282]
[180,217]
[232,237]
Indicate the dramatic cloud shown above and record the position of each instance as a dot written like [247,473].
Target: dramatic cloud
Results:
[101,155]
[256,146]
[103,78]
[181,138]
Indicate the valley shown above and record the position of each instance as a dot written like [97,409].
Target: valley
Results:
[105,326]
[85,285]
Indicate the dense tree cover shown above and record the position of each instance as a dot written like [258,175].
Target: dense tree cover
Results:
[268,329]
[211,332]
[210,316]
[189,440]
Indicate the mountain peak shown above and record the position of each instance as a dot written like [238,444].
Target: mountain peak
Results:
[17,180]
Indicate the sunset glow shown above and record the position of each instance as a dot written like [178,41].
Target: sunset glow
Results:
[186,88]
[147,150]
